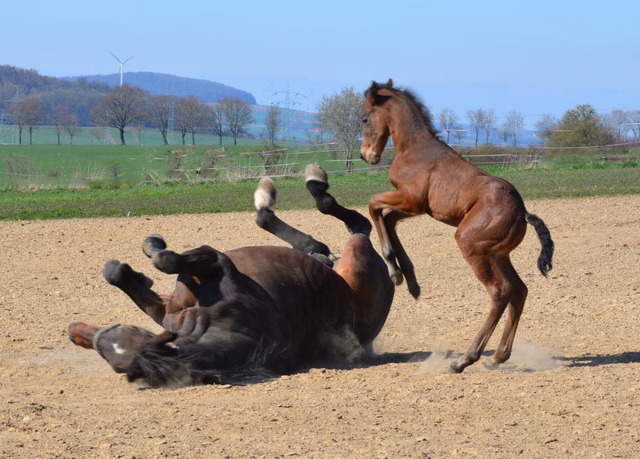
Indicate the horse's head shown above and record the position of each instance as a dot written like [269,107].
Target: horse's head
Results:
[117,344]
[375,121]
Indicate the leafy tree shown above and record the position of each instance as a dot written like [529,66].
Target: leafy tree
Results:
[580,127]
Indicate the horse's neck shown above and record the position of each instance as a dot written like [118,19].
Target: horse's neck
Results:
[409,136]
[421,143]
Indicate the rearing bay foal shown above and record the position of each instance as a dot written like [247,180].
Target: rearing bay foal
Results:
[431,178]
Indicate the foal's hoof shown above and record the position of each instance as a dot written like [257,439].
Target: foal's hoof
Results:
[265,195]
[456,368]
[397,277]
[153,243]
[491,364]
[315,172]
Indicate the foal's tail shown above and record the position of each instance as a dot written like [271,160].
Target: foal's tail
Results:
[545,261]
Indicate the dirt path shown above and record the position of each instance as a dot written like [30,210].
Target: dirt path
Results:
[58,400]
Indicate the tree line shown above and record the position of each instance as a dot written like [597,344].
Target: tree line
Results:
[128,107]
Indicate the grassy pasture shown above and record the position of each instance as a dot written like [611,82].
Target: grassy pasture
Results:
[351,190]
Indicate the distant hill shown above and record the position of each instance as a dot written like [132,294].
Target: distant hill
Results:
[165,84]
[77,96]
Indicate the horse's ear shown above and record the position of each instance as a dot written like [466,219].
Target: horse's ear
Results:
[389,84]
[372,92]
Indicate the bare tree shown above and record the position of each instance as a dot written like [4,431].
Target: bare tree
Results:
[634,119]
[545,126]
[71,126]
[26,114]
[341,116]
[619,121]
[476,119]
[489,124]
[159,114]
[96,132]
[514,126]
[217,120]
[459,134]
[191,116]
[448,121]
[237,115]
[122,107]
[272,123]
[58,119]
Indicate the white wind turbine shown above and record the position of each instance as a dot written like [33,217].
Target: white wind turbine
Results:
[121,65]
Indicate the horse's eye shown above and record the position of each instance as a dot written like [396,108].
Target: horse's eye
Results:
[364,120]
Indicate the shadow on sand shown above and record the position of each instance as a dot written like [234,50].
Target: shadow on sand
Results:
[597,360]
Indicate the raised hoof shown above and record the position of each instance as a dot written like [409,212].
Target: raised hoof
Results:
[167,261]
[315,172]
[116,273]
[265,195]
[491,364]
[396,277]
[153,243]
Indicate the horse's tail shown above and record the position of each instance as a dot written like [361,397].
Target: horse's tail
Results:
[545,260]
[163,366]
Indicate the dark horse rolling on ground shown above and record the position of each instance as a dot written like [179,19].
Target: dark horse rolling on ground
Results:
[431,178]
[252,312]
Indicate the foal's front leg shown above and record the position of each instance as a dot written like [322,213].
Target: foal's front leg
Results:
[393,200]
[391,221]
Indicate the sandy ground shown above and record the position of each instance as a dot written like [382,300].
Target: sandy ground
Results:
[571,389]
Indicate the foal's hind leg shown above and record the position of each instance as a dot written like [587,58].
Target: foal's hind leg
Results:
[487,270]
[265,198]
[515,308]
[138,287]
[317,183]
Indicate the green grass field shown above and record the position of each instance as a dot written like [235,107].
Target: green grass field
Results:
[350,190]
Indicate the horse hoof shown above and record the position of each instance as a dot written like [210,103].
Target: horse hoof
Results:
[491,364]
[166,261]
[315,172]
[414,290]
[456,368]
[114,271]
[265,195]
[153,243]
[397,277]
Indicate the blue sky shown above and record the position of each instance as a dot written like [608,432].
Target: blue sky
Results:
[533,56]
